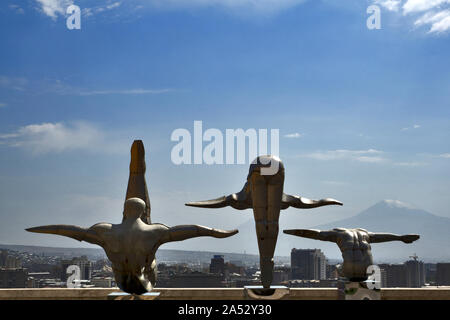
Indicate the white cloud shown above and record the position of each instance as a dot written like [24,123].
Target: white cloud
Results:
[58,137]
[398,204]
[411,6]
[240,7]
[100,8]
[16,83]
[16,8]
[416,126]
[369,156]
[445,155]
[439,21]
[113,5]
[127,91]
[432,13]
[53,8]
[295,135]
[391,5]
[2,105]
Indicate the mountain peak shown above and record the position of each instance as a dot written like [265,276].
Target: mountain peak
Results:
[397,204]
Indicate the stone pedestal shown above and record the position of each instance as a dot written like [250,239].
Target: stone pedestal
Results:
[261,293]
[128,296]
[357,291]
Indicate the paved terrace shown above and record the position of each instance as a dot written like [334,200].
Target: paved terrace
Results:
[220,294]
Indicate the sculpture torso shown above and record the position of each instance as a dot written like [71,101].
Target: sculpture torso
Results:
[265,192]
[356,252]
[131,249]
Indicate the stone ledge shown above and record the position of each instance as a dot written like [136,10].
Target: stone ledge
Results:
[217,294]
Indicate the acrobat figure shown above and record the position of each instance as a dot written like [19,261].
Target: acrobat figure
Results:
[263,192]
[131,246]
[355,247]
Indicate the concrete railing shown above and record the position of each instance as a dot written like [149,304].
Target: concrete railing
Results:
[220,294]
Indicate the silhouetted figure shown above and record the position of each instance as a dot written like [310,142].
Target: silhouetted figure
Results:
[131,246]
[264,193]
[355,247]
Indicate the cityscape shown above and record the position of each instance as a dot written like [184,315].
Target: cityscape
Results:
[305,268]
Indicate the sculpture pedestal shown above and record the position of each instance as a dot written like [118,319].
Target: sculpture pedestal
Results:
[261,293]
[128,296]
[357,291]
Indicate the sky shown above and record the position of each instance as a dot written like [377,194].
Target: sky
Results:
[363,115]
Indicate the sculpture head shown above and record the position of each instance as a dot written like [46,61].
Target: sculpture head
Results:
[133,208]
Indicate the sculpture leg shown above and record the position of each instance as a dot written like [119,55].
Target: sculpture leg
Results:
[137,186]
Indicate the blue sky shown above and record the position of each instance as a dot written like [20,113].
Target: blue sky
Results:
[363,114]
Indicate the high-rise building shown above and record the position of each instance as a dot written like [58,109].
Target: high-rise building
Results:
[443,274]
[415,273]
[217,264]
[13,278]
[8,261]
[430,273]
[308,264]
[393,275]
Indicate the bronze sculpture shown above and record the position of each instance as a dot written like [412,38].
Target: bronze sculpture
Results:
[355,247]
[264,194]
[131,246]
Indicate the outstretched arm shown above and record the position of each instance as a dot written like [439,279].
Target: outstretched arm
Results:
[183,232]
[240,201]
[385,237]
[313,234]
[90,235]
[305,203]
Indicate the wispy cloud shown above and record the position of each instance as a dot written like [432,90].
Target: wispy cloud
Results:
[127,91]
[16,8]
[445,155]
[55,86]
[295,135]
[101,8]
[2,104]
[58,137]
[416,126]
[54,8]
[15,83]
[368,156]
[391,5]
[432,13]
[439,21]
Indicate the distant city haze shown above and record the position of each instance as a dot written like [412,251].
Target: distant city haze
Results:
[386,216]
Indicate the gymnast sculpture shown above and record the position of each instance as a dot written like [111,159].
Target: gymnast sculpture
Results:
[264,193]
[355,247]
[131,246]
